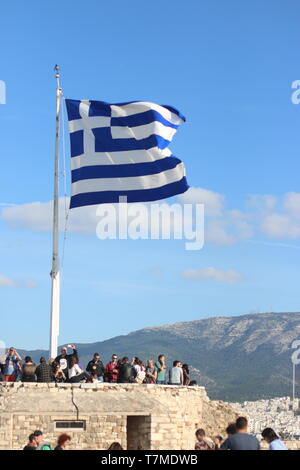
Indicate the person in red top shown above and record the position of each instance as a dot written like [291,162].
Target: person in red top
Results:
[111,371]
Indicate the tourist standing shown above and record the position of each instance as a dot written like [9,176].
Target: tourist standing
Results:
[241,440]
[186,374]
[151,372]
[111,370]
[161,370]
[127,372]
[270,436]
[28,370]
[11,365]
[64,358]
[140,370]
[176,374]
[96,368]
[44,372]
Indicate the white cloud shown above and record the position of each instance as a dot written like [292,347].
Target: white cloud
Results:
[37,216]
[7,282]
[280,226]
[213,202]
[275,217]
[291,203]
[262,202]
[212,274]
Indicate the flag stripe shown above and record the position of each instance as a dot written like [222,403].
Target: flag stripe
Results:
[171,114]
[143,132]
[125,170]
[104,142]
[119,158]
[141,119]
[144,195]
[129,183]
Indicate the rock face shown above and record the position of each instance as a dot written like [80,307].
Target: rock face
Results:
[236,358]
[137,416]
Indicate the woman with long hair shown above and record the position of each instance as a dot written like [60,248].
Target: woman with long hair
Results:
[28,370]
[151,372]
[75,373]
[186,374]
[270,436]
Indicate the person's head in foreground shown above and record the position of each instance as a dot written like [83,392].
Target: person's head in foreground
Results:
[115,446]
[200,434]
[31,441]
[269,435]
[63,441]
[275,443]
[231,429]
[241,424]
[38,436]
[218,441]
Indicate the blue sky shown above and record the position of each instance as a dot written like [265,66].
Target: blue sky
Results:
[228,66]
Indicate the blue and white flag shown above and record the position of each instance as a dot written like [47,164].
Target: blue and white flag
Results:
[122,150]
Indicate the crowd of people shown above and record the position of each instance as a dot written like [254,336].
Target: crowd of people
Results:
[67,368]
[238,438]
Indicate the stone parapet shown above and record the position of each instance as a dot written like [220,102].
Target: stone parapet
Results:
[137,416]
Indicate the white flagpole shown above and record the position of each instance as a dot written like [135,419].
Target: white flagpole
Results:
[55,284]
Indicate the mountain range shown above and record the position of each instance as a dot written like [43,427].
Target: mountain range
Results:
[238,358]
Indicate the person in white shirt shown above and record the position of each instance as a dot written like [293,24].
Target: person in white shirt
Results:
[75,373]
[270,436]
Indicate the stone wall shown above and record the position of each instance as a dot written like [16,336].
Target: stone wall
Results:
[138,416]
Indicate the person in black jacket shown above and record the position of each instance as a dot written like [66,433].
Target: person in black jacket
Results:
[64,359]
[96,368]
[127,372]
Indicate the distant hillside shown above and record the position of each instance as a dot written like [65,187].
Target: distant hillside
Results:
[236,358]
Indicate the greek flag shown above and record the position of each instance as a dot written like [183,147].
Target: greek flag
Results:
[122,150]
